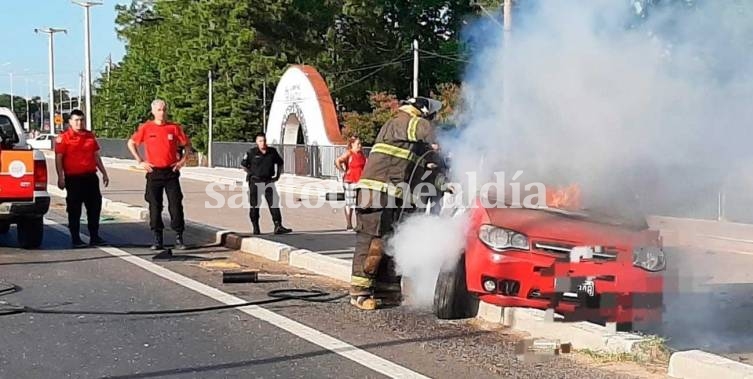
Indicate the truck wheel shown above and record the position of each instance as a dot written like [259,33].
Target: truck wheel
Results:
[4,227]
[451,297]
[30,232]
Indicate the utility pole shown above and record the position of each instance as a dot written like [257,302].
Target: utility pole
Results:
[80,88]
[51,32]
[87,60]
[506,77]
[415,68]
[209,145]
[508,16]
[11,92]
[264,106]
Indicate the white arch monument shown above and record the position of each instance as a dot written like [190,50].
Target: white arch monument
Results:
[302,110]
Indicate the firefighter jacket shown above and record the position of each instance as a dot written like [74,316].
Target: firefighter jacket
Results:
[397,161]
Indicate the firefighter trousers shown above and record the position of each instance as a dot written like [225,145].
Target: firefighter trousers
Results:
[374,272]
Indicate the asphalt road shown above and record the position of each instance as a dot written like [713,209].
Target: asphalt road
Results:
[319,340]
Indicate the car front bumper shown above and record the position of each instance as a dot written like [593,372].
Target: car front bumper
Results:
[611,290]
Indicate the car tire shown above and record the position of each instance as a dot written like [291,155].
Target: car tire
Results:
[4,227]
[452,300]
[30,232]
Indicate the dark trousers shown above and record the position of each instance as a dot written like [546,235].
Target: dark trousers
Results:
[164,180]
[83,190]
[268,189]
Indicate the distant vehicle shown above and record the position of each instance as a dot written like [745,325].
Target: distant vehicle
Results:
[24,199]
[582,264]
[41,142]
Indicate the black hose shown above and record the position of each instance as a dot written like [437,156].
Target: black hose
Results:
[276,296]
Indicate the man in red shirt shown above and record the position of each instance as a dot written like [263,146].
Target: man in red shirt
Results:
[161,140]
[77,160]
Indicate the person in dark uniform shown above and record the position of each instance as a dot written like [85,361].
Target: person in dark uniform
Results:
[162,140]
[263,166]
[77,160]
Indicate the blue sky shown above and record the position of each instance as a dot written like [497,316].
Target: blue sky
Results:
[24,53]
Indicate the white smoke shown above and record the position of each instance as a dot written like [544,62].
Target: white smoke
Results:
[652,107]
[422,246]
[646,111]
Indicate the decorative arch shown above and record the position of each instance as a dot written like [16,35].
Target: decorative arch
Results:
[303,104]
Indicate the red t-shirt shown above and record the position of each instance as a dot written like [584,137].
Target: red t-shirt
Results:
[78,150]
[161,142]
[356,162]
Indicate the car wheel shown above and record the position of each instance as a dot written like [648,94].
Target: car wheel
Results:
[30,232]
[451,297]
[4,227]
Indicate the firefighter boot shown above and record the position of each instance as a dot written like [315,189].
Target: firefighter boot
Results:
[363,302]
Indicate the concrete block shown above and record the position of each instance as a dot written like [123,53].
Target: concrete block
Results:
[221,236]
[127,210]
[271,250]
[321,264]
[699,364]
[490,313]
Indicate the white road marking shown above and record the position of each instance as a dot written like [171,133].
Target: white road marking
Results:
[314,336]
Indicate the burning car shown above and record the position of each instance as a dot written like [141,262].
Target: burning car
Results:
[581,264]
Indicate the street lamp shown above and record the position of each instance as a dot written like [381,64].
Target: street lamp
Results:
[87,58]
[51,32]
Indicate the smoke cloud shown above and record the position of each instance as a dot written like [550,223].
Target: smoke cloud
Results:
[640,105]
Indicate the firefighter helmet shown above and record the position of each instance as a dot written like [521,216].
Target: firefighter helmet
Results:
[428,107]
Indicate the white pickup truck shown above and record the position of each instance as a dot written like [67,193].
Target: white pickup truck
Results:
[24,199]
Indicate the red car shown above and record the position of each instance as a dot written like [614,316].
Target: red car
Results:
[583,265]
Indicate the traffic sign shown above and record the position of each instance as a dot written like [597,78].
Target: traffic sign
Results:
[58,119]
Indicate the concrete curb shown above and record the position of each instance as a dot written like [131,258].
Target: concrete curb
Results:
[583,335]
[697,364]
[109,206]
[321,264]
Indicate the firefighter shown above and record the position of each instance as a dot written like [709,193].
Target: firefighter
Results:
[397,163]
[77,160]
[161,139]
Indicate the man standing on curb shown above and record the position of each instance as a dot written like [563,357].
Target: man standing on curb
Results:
[161,139]
[77,160]
[263,166]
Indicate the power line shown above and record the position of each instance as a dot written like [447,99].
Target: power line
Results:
[444,56]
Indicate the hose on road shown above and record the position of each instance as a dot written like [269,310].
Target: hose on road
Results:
[275,296]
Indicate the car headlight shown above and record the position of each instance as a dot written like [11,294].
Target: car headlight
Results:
[649,258]
[501,239]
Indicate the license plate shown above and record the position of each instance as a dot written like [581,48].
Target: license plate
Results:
[587,287]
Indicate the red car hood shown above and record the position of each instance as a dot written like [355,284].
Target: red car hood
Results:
[554,225]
